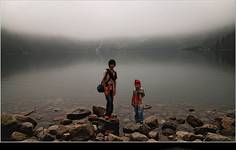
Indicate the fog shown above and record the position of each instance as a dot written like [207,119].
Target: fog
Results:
[106,19]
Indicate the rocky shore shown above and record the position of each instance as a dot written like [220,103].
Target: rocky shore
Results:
[89,125]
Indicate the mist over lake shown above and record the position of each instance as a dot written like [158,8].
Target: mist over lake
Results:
[173,77]
[67,79]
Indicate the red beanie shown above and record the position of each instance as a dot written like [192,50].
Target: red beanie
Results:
[137,82]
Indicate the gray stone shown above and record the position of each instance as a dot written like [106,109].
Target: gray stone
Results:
[152,121]
[18,136]
[193,121]
[79,113]
[216,137]
[136,136]
[99,111]
[153,135]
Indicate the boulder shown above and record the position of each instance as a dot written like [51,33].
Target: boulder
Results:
[152,121]
[170,125]
[136,136]
[144,129]
[11,123]
[43,135]
[22,119]
[172,138]
[100,137]
[99,111]
[205,129]
[152,141]
[231,115]
[130,127]
[66,121]
[133,127]
[26,128]
[78,114]
[168,131]
[147,106]
[112,137]
[18,136]
[37,131]
[227,122]
[187,136]
[216,137]
[172,118]
[185,127]
[193,121]
[191,110]
[81,132]
[153,135]
[180,121]
[125,138]
[227,132]
[107,126]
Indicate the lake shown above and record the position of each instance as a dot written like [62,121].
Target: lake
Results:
[179,81]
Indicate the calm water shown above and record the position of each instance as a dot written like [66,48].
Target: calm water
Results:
[185,79]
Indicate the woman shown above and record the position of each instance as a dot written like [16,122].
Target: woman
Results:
[109,84]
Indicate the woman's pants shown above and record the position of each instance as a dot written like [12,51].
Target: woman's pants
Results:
[109,107]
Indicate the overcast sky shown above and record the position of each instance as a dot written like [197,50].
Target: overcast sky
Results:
[101,19]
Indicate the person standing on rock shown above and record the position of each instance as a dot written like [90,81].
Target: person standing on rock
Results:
[109,84]
[137,101]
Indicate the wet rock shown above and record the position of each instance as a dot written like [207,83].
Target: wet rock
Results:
[66,121]
[81,132]
[132,127]
[22,119]
[100,137]
[147,106]
[78,114]
[26,128]
[136,136]
[227,132]
[231,115]
[227,122]
[193,121]
[185,127]
[191,110]
[153,135]
[197,140]
[152,141]
[216,137]
[205,129]
[172,118]
[11,123]
[169,125]
[125,138]
[152,121]
[187,136]
[112,137]
[168,131]
[144,129]
[107,126]
[172,138]
[37,131]
[180,121]
[99,111]
[45,136]
[18,136]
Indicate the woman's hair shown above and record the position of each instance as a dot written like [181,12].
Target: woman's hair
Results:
[112,62]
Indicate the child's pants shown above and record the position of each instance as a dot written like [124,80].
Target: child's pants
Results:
[138,113]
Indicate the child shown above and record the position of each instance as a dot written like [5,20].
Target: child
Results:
[137,102]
